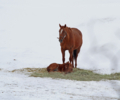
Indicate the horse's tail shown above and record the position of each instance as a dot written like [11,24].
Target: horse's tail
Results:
[75,53]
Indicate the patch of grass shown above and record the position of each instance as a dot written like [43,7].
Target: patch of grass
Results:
[77,74]
[31,70]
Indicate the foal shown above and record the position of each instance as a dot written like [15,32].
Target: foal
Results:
[66,67]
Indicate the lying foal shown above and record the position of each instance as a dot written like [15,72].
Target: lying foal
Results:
[66,67]
[52,67]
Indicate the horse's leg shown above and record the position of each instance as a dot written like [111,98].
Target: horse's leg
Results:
[78,50]
[73,61]
[74,55]
[63,55]
[71,57]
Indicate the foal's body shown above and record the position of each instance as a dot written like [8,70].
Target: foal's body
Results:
[66,67]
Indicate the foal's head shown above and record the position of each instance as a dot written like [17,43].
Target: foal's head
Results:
[62,33]
[68,67]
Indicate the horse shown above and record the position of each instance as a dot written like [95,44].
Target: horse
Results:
[70,39]
[66,67]
[52,67]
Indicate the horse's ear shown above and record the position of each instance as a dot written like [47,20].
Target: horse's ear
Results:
[65,25]
[68,62]
[59,25]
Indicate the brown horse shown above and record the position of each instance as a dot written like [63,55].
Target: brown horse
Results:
[70,39]
[52,67]
[66,67]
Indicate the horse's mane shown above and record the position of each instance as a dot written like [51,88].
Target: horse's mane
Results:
[68,31]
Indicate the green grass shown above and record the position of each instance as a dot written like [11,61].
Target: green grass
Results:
[77,74]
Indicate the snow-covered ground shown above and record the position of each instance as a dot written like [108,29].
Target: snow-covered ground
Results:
[28,38]
[21,87]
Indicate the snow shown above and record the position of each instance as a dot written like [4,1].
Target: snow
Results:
[28,38]
[21,87]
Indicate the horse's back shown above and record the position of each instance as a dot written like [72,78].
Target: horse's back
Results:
[52,67]
[76,32]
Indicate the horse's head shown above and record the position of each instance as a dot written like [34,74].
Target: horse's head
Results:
[62,33]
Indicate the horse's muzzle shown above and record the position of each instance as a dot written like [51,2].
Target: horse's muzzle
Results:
[60,41]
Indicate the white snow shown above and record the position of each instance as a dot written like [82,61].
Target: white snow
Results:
[21,87]
[28,38]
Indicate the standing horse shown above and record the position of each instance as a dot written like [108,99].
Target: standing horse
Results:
[70,39]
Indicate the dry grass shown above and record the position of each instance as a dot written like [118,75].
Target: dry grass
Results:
[77,74]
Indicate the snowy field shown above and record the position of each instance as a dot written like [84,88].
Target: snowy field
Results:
[28,38]
[21,87]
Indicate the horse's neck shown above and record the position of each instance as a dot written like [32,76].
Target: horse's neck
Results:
[67,39]
[68,33]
